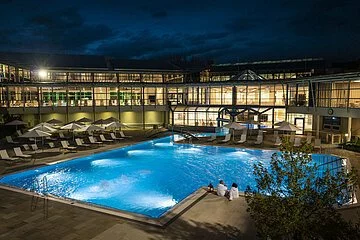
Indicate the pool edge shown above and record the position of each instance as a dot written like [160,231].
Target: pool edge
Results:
[164,220]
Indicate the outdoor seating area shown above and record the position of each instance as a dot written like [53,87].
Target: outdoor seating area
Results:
[240,135]
[53,138]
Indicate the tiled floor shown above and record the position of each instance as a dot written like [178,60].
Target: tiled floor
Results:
[211,218]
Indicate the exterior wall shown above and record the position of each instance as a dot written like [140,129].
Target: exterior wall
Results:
[356,127]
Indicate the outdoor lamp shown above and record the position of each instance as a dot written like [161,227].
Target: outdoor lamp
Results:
[42,74]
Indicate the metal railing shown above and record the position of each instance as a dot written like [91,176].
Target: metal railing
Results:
[40,189]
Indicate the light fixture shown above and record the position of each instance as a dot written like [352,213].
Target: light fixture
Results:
[42,74]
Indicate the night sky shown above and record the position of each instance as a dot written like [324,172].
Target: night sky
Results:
[225,31]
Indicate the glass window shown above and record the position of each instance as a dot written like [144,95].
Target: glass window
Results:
[354,95]
[16,98]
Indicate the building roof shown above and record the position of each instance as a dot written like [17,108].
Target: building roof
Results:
[246,75]
[74,62]
[122,64]
[296,65]
[53,61]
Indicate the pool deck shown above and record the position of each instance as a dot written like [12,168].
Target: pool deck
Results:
[212,217]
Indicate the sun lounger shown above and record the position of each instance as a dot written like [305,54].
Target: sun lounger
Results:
[52,148]
[80,143]
[242,139]
[51,144]
[123,135]
[212,138]
[65,145]
[26,147]
[112,135]
[35,148]
[5,156]
[259,140]
[19,133]
[297,142]
[227,138]
[103,139]
[277,141]
[61,135]
[19,153]
[10,140]
[93,140]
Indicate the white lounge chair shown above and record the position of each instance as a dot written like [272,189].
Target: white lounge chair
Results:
[52,148]
[19,133]
[26,147]
[5,156]
[259,139]
[123,135]
[19,153]
[103,139]
[277,141]
[61,135]
[227,138]
[35,148]
[10,140]
[297,142]
[212,138]
[317,144]
[80,143]
[65,145]
[93,140]
[242,139]
[51,144]
[112,135]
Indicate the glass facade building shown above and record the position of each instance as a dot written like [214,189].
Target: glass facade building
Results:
[38,87]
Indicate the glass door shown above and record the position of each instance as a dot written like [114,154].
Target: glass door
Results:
[300,123]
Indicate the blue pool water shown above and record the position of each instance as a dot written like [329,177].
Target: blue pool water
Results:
[147,178]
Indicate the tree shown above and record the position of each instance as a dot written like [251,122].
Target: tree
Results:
[293,199]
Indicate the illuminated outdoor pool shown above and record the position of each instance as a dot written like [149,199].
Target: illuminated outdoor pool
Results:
[147,178]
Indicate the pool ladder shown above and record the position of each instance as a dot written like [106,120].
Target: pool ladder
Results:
[40,193]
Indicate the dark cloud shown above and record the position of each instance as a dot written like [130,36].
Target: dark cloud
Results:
[240,24]
[224,30]
[159,14]
[63,30]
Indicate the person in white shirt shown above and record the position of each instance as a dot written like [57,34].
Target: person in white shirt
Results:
[234,192]
[221,188]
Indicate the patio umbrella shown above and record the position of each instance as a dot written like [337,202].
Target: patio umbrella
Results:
[72,127]
[234,126]
[84,120]
[45,127]
[110,120]
[91,128]
[36,133]
[15,123]
[55,121]
[115,125]
[286,126]
[99,122]
[280,123]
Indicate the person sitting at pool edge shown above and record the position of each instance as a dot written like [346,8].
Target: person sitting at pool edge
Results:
[234,192]
[221,189]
